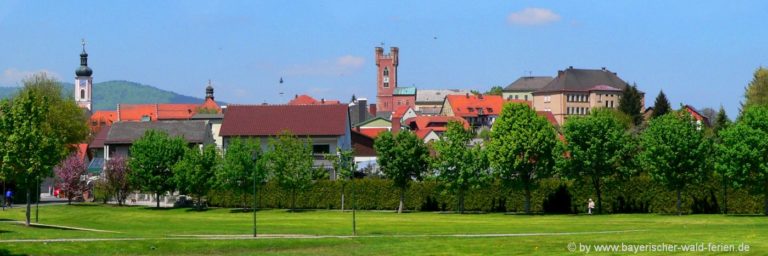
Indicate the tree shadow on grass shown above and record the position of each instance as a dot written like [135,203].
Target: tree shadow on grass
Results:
[243,210]
[300,210]
[6,252]
[83,205]
[197,210]
[5,231]
[746,215]
[34,225]
[157,209]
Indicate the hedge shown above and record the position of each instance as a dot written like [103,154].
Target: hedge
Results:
[638,194]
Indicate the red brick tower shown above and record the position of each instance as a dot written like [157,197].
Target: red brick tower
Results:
[386,78]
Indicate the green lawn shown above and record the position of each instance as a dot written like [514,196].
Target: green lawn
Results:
[185,232]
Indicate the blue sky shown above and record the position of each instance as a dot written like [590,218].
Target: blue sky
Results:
[700,53]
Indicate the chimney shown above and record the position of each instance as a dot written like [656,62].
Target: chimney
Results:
[603,68]
[118,112]
[322,100]
[372,110]
[467,95]
[570,67]
[395,124]
[560,72]
[295,96]
[480,96]
[362,107]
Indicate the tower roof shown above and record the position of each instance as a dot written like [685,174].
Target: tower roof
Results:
[83,70]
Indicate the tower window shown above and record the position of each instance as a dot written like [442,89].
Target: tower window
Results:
[386,85]
[386,71]
[82,93]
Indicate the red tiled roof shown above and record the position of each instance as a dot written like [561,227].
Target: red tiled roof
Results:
[372,132]
[106,116]
[270,120]
[308,100]
[423,133]
[436,123]
[550,117]
[468,105]
[211,104]
[134,112]
[400,111]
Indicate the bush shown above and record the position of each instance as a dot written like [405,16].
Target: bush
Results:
[638,194]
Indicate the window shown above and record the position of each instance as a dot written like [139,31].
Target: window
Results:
[386,85]
[526,97]
[386,71]
[515,96]
[320,149]
[82,93]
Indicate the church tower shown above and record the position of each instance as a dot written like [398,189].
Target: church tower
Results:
[386,78]
[84,82]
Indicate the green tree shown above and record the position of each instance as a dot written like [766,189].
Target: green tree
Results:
[343,165]
[290,160]
[241,164]
[459,166]
[661,105]
[631,103]
[495,90]
[721,120]
[152,159]
[402,157]
[193,173]
[743,151]
[674,152]
[36,127]
[521,149]
[597,151]
[756,92]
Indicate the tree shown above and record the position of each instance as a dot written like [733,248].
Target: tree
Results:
[290,160]
[597,150]
[69,176]
[116,174]
[521,149]
[721,120]
[631,103]
[402,157]
[240,166]
[674,152]
[743,151]
[495,90]
[756,92]
[37,125]
[459,166]
[193,173]
[152,158]
[342,163]
[661,106]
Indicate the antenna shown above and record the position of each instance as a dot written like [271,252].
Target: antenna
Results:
[281,83]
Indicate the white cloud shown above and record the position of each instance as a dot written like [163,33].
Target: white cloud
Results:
[13,76]
[340,66]
[532,17]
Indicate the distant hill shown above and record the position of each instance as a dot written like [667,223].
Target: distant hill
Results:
[106,95]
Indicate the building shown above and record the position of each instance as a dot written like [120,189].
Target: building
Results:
[576,92]
[523,87]
[84,83]
[480,111]
[121,135]
[326,126]
[388,95]
[431,128]
[429,102]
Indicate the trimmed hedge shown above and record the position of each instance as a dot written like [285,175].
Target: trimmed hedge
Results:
[638,194]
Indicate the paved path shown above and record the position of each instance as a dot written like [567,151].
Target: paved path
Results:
[299,236]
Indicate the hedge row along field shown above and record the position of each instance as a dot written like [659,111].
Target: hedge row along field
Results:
[638,194]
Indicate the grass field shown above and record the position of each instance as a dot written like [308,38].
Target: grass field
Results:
[148,231]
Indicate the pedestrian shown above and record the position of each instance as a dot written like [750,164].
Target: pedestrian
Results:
[9,198]
[590,206]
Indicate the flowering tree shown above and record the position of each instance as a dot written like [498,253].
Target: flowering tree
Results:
[116,174]
[69,176]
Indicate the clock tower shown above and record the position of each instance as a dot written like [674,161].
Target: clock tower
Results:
[83,82]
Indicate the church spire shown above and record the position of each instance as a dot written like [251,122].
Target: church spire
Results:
[83,70]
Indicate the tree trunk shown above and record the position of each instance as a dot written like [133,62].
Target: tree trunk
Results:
[402,201]
[461,201]
[765,197]
[725,194]
[157,199]
[293,199]
[527,206]
[28,205]
[69,198]
[679,208]
[599,193]
[342,196]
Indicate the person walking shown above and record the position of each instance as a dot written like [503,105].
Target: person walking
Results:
[590,206]
[9,198]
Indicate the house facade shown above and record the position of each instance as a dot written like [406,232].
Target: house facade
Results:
[325,126]
[523,87]
[121,135]
[429,102]
[575,92]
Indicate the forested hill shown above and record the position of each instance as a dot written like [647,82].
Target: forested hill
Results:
[106,95]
